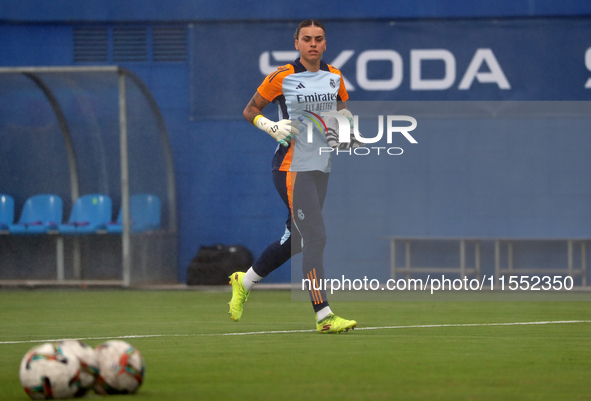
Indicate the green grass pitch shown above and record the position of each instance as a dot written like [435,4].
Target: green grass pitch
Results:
[188,358]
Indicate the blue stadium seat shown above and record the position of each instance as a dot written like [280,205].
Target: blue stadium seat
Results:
[6,211]
[90,214]
[144,212]
[41,213]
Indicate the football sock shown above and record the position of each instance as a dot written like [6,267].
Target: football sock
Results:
[251,278]
[324,312]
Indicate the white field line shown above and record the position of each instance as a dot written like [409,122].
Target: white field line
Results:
[419,326]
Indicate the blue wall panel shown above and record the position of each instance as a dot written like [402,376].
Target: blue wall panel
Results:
[540,59]
[22,45]
[202,10]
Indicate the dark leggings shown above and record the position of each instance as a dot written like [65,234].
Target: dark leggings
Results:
[303,193]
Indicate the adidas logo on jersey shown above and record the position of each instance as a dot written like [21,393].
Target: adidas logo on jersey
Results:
[300,86]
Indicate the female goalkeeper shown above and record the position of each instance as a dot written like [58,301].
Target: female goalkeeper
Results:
[302,89]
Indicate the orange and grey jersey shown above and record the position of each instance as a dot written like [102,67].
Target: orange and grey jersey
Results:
[302,96]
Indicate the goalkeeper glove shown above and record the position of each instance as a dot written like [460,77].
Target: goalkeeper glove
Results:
[354,142]
[332,136]
[282,131]
[347,114]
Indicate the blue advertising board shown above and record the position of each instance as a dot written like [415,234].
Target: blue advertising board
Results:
[489,59]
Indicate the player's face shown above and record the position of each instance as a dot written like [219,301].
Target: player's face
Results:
[311,43]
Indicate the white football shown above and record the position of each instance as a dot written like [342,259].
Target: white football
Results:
[49,372]
[89,366]
[121,368]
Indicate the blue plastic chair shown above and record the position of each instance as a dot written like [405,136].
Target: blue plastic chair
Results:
[41,213]
[6,211]
[89,214]
[144,210]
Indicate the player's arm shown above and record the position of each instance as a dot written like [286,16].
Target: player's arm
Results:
[282,131]
[342,98]
[255,107]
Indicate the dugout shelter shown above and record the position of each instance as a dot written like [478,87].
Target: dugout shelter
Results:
[93,138]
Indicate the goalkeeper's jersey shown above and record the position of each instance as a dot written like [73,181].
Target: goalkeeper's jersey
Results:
[302,96]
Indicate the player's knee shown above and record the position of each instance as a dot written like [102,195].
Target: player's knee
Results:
[317,240]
